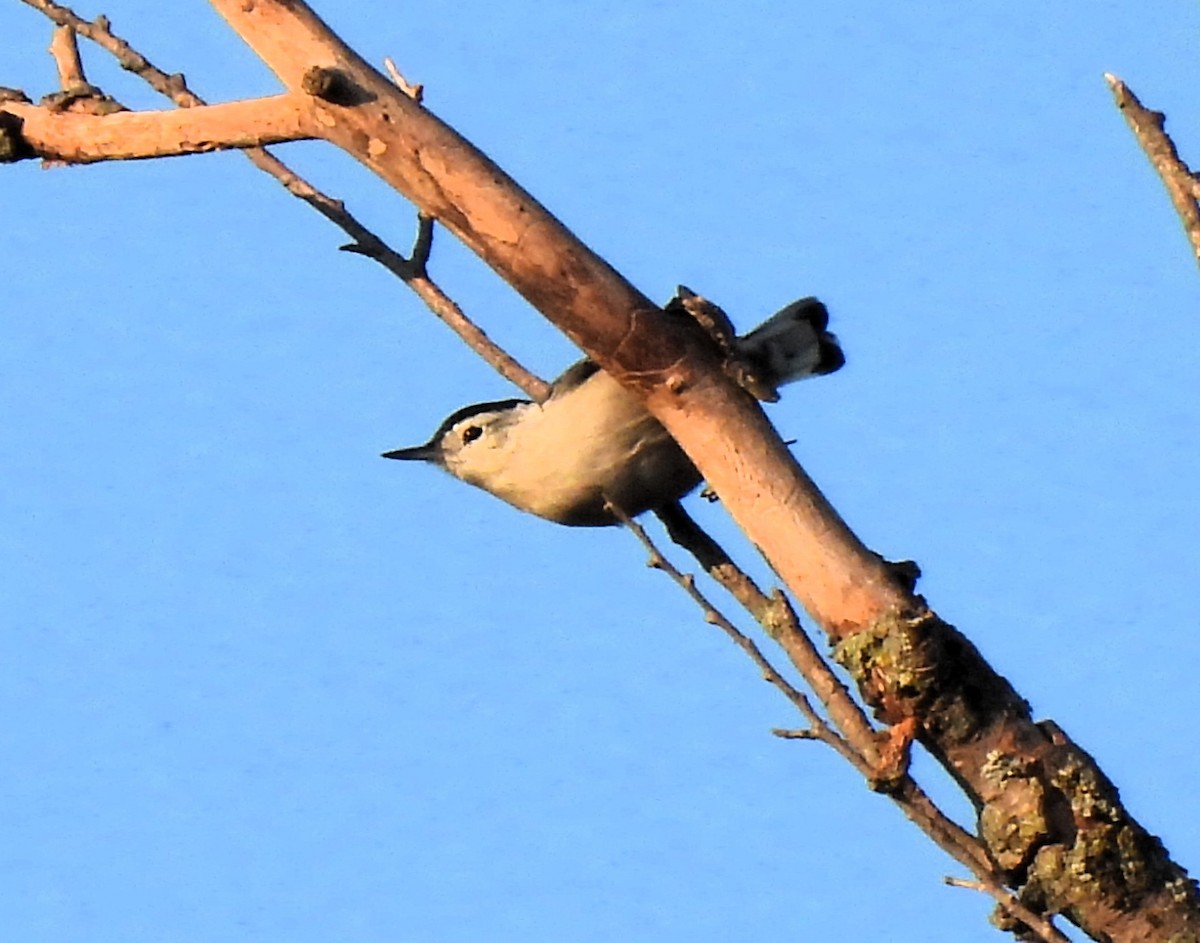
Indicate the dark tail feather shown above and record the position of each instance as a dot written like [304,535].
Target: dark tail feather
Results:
[793,344]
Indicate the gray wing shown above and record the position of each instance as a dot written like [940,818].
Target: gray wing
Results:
[574,376]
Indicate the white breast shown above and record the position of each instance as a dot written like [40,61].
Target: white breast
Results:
[593,442]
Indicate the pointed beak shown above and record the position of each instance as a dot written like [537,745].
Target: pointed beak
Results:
[417,453]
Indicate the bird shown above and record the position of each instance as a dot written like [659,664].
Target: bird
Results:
[592,444]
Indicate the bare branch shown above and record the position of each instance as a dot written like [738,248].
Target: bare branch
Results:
[916,805]
[365,242]
[818,728]
[1183,186]
[413,272]
[1012,913]
[415,92]
[133,135]
[100,32]
[776,615]
[884,753]
[65,51]
[788,733]
[906,661]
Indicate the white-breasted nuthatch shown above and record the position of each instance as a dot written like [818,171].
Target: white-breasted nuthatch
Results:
[592,441]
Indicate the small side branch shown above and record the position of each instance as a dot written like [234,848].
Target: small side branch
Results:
[134,135]
[413,271]
[415,91]
[881,758]
[76,93]
[65,51]
[818,729]
[1182,184]
[778,618]
[1013,916]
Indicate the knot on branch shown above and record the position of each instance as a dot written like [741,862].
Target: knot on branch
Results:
[914,664]
[894,662]
[904,573]
[82,98]
[1080,848]
[13,146]
[333,86]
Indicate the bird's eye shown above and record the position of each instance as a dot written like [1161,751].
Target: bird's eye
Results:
[471,433]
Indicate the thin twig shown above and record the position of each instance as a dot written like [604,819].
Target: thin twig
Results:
[776,615]
[365,242]
[789,733]
[685,532]
[65,51]
[968,885]
[1148,126]
[414,274]
[887,769]
[1040,925]
[414,91]
[76,94]
[820,730]
[781,621]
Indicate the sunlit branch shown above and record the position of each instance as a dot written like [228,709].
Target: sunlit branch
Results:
[134,135]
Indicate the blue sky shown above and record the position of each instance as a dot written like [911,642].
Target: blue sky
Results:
[259,684]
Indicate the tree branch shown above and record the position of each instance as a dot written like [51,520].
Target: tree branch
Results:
[857,744]
[734,446]
[412,271]
[65,51]
[776,615]
[1050,819]
[818,728]
[414,274]
[134,135]
[1095,863]
[1149,127]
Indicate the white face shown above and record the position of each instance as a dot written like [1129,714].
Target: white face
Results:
[562,459]
[477,446]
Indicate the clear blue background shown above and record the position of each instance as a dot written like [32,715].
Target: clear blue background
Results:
[258,684]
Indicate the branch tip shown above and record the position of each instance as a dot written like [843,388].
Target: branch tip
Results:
[787,733]
[423,243]
[414,91]
[64,48]
[1149,128]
